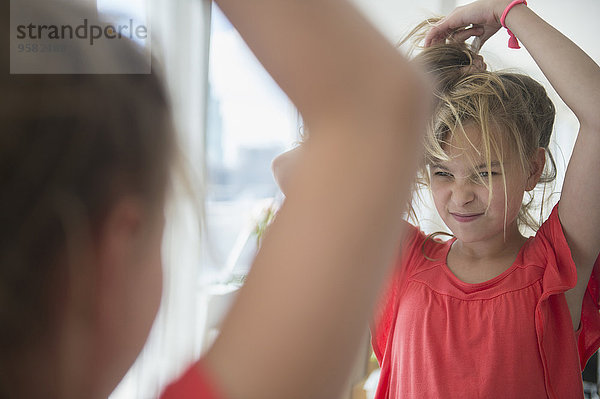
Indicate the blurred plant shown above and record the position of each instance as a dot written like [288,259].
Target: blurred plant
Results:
[264,221]
[237,279]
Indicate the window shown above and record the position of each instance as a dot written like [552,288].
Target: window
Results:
[122,12]
[249,122]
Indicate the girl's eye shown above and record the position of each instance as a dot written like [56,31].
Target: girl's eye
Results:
[441,173]
[486,174]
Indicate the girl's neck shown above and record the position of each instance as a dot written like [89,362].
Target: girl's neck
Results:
[497,247]
[477,262]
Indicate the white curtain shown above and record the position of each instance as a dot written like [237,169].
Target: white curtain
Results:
[180,41]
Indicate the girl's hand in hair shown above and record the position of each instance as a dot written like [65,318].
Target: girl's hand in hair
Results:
[480,19]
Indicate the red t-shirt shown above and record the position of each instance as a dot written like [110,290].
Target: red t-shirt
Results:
[195,383]
[510,337]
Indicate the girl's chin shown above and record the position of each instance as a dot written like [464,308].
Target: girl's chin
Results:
[468,235]
[467,238]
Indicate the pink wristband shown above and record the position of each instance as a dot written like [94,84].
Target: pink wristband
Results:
[512,40]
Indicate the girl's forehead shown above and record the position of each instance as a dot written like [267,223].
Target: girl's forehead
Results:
[470,137]
[466,164]
[469,144]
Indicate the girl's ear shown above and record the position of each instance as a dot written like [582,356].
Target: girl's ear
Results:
[537,167]
[117,247]
[93,295]
[96,263]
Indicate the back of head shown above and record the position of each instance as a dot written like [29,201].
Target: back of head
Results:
[71,145]
[512,111]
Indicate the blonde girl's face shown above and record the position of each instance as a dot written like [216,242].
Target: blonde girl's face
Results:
[461,198]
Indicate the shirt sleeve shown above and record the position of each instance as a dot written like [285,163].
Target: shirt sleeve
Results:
[195,383]
[561,275]
[588,335]
[386,308]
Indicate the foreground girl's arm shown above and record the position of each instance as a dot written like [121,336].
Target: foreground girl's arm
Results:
[295,327]
[576,78]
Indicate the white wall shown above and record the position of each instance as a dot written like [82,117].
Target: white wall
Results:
[575,19]
[395,18]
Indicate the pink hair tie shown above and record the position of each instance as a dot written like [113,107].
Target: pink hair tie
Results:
[512,40]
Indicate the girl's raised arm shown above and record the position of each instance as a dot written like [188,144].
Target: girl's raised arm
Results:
[576,78]
[298,321]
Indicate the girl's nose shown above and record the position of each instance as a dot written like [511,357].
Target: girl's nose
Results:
[462,194]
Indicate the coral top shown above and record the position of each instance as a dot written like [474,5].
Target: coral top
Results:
[195,383]
[510,337]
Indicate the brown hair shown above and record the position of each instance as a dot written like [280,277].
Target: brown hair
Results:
[71,145]
[504,105]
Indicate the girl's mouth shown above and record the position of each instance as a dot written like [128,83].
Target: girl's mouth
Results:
[464,218]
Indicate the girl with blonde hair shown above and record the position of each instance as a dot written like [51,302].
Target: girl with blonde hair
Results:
[491,313]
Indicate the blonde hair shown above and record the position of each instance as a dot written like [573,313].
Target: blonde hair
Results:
[508,108]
